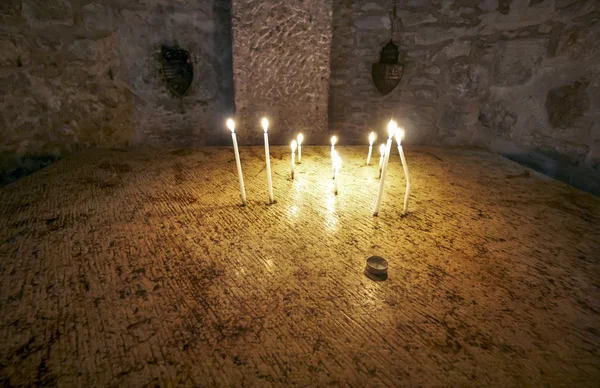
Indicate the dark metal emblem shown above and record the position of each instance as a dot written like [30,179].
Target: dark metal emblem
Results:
[387,73]
[177,68]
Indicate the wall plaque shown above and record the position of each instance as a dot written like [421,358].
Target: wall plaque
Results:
[177,69]
[387,73]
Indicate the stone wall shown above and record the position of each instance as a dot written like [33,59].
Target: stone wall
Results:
[518,76]
[79,73]
[281,67]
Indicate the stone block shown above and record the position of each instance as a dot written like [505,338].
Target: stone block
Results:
[458,48]
[567,12]
[488,5]
[421,81]
[15,85]
[92,50]
[462,15]
[453,118]
[466,80]
[373,23]
[205,82]
[14,50]
[25,117]
[48,70]
[10,7]
[49,42]
[417,53]
[371,7]
[418,121]
[428,95]
[43,13]
[498,119]
[567,103]
[432,70]
[560,4]
[516,60]
[503,6]
[424,3]
[432,35]
[97,18]
[514,15]
[410,19]
[579,42]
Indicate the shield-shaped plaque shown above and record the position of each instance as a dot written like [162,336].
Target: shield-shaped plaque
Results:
[386,77]
[177,69]
[387,73]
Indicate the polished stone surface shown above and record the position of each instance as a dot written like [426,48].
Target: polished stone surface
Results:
[140,268]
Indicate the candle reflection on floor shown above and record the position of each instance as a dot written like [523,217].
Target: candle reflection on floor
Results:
[163,247]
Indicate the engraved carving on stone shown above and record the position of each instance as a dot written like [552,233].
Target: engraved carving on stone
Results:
[177,69]
[387,73]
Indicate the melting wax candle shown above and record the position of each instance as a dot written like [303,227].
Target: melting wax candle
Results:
[231,126]
[371,140]
[399,136]
[265,125]
[391,131]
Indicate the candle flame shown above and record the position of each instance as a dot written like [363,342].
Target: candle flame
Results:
[392,128]
[382,149]
[265,124]
[371,138]
[399,135]
[231,125]
[300,138]
[294,145]
[333,140]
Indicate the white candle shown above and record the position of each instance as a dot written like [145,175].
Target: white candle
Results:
[231,126]
[391,130]
[294,145]
[382,154]
[300,138]
[399,136]
[265,125]
[333,141]
[338,165]
[334,156]
[371,140]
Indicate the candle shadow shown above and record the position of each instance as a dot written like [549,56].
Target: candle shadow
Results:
[261,171]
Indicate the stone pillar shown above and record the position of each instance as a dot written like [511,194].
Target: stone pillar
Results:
[281,54]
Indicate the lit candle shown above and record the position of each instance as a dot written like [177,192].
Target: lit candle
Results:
[382,153]
[371,140]
[399,136]
[391,130]
[265,125]
[231,126]
[294,145]
[300,138]
[338,164]
[333,141]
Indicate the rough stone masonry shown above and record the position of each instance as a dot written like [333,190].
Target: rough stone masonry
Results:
[519,77]
[281,67]
[87,74]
